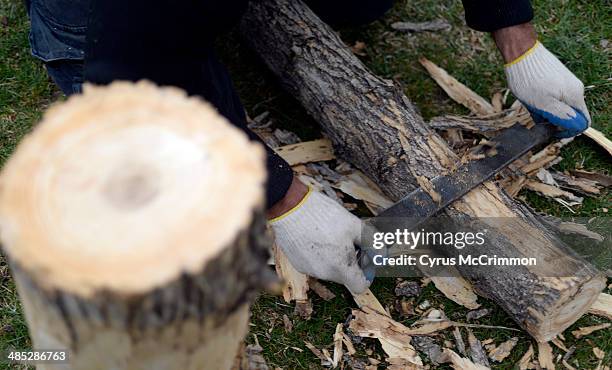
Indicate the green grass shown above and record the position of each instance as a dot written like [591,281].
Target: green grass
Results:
[572,29]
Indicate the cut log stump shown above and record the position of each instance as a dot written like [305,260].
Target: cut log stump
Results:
[376,128]
[133,219]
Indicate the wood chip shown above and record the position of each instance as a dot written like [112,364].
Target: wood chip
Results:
[569,353]
[477,353]
[603,180]
[525,360]
[567,365]
[361,192]
[581,332]
[460,363]
[584,186]
[557,342]
[367,299]
[457,289]
[394,337]
[287,324]
[459,343]
[320,289]
[325,360]
[599,138]
[552,192]
[515,186]
[430,327]
[458,91]
[545,356]
[295,283]
[502,351]
[602,306]
[497,101]
[338,336]
[599,353]
[435,25]
[348,344]
[306,152]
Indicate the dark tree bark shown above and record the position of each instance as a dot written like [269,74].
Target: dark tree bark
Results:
[377,129]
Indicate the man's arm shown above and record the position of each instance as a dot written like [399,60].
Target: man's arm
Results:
[492,15]
[536,77]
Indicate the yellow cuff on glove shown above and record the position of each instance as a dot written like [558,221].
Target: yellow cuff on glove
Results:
[524,55]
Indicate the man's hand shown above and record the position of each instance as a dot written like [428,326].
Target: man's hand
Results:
[540,81]
[319,237]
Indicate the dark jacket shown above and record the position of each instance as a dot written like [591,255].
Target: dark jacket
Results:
[170,42]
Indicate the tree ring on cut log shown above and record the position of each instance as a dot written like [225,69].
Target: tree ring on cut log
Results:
[564,313]
[120,183]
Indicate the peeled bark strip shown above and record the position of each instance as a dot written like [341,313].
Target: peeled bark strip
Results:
[133,221]
[376,128]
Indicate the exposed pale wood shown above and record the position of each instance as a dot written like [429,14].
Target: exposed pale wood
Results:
[602,306]
[348,344]
[581,332]
[338,336]
[460,363]
[306,152]
[552,191]
[599,138]
[367,299]
[457,289]
[295,284]
[583,186]
[358,191]
[502,351]
[394,349]
[497,101]
[394,336]
[320,355]
[525,360]
[458,91]
[376,128]
[133,220]
[599,178]
[488,124]
[545,356]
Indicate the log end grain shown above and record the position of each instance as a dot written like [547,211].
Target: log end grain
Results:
[126,187]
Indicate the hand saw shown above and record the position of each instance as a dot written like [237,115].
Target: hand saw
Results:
[418,206]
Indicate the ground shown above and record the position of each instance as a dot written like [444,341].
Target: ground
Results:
[577,31]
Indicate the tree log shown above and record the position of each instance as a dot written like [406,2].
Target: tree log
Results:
[133,221]
[376,128]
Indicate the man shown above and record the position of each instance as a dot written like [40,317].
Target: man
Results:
[171,43]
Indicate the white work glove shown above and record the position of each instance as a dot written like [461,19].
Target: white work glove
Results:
[549,90]
[319,237]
